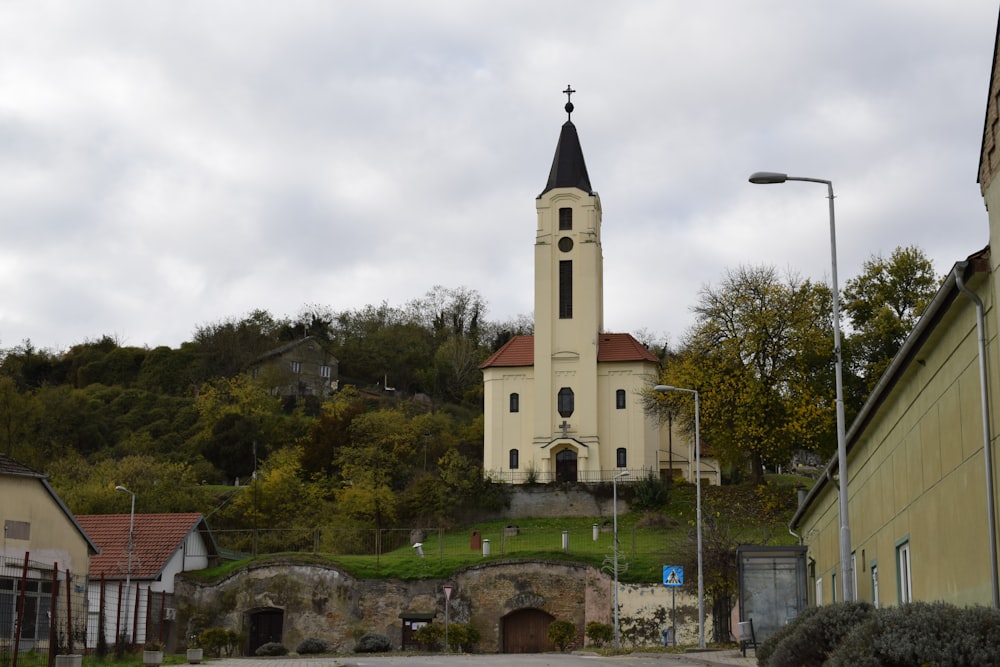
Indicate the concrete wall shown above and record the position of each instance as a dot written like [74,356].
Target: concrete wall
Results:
[548,501]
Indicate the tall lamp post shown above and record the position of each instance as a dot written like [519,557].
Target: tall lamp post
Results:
[131,543]
[614,511]
[697,481]
[846,564]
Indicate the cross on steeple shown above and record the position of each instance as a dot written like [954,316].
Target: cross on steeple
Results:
[569,100]
[565,428]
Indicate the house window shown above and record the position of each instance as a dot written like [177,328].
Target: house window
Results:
[620,399]
[905,582]
[565,218]
[37,603]
[296,366]
[324,371]
[254,372]
[854,574]
[622,457]
[819,592]
[875,585]
[833,588]
[564,402]
[565,289]
[514,459]
[515,403]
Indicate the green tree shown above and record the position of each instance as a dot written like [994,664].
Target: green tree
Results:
[159,486]
[760,357]
[883,305]
[17,414]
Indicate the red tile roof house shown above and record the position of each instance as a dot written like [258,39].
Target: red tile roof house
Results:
[164,545]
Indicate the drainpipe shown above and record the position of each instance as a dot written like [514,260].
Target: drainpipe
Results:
[983,381]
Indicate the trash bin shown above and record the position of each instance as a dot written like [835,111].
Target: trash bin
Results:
[486,547]
[475,541]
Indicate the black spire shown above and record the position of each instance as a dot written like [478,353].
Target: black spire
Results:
[568,168]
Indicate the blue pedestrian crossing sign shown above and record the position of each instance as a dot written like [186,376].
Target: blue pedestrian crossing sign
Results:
[673,575]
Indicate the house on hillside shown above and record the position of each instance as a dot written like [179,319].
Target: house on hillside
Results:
[298,369]
[565,404]
[132,589]
[40,535]
[921,460]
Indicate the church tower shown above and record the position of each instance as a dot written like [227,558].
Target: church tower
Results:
[569,301]
[566,403]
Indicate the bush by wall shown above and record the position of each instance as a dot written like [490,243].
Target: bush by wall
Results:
[373,642]
[271,649]
[811,637]
[924,633]
[599,634]
[312,645]
[562,634]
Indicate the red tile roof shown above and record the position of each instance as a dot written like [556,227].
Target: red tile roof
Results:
[612,347]
[518,351]
[622,347]
[157,538]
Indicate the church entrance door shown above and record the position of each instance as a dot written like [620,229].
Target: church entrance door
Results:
[566,466]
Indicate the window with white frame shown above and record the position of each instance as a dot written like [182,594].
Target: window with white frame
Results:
[905,580]
[819,591]
[296,366]
[324,371]
[875,585]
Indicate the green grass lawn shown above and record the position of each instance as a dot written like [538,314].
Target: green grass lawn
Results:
[647,541]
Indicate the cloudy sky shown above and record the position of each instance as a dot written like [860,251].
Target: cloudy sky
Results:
[169,164]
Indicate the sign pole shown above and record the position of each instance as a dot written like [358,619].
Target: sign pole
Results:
[447,600]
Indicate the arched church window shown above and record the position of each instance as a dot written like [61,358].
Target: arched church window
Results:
[620,399]
[515,403]
[622,457]
[565,218]
[564,402]
[514,462]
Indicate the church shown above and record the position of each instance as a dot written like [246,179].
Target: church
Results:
[565,404]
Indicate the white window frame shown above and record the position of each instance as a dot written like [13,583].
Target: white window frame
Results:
[819,591]
[904,571]
[874,571]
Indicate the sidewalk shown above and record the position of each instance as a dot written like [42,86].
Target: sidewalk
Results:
[723,658]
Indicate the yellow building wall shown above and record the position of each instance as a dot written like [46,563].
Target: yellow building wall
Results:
[53,537]
[917,473]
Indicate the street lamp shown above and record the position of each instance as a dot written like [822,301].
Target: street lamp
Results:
[846,564]
[614,511]
[131,543]
[697,482]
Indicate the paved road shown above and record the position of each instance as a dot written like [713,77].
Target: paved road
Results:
[710,659]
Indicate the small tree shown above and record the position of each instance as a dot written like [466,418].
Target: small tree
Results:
[562,634]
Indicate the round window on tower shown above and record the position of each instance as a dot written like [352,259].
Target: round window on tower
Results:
[565,244]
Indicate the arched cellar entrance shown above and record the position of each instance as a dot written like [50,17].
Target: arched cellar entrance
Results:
[566,466]
[265,627]
[525,631]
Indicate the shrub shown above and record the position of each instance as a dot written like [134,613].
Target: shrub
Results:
[216,640]
[813,637]
[372,642]
[562,634]
[311,645]
[650,493]
[924,633]
[271,648]
[430,636]
[766,648]
[463,637]
[599,634]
